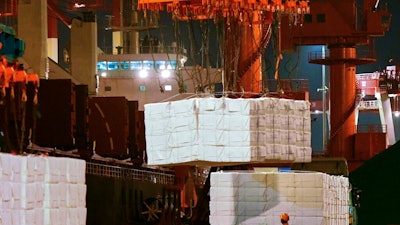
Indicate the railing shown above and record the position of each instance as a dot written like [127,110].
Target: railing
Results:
[369,90]
[145,49]
[371,128]
[316,55]
[287,85]
[372,104]
[118,172]
[368,76]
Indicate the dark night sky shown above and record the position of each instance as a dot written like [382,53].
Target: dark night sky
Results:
[293,65]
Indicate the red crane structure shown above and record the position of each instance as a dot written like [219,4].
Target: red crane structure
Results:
[342,26]
[246,32]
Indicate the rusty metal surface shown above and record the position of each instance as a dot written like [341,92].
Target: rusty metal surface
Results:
[57,118]
[135,152]
[140,135]
[109,126]
[81,128]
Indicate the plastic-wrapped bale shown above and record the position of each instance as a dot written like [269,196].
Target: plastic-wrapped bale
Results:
[52,196]
[52,174]
[23,168]
[157,119]
[23,195]
[51,216]
[6,216]
[6,195]
[302,121]
[75,170]
[42,190]
[23,217]
[224,131]
[6,166]
[257,198]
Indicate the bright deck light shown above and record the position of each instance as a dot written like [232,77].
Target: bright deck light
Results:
[165,74]
[143,74]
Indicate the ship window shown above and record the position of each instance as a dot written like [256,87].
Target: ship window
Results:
[102,65]
[161,64]
[147,64]
[307,18]
[321,18]
[112,66]
[172,64]
[124,65]
[136,65]
[107,88]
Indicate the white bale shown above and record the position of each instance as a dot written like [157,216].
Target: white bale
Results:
[72,195]
[23,168]
[302,107]
[240,154]
[23,195]
[82,190]
[6,216]
[211,106]
[240,106]
[40,168]
[51,217]
[210,122]
[73,216]
[263,197]
[52,174]
[51,196]
[184,154]
[63,214]
[241,138]
[221,179]
[266,121]
[271,105]
[81,172]
[76,171]
[6,166]
[157,111]
[184,138]
[62,194]
[6,195]
[240,123]
[182,123]
[159,142]
[159,157]
[158,126]
[39,216]
[212,153]
[82,214]
[64,169]
[39,194]
[196,125]
[185,107]
[212,137]
[262,153]
[286,106]
[23,217]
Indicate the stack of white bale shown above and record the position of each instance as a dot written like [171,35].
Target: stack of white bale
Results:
[228,130]
[42,190]
[250,198]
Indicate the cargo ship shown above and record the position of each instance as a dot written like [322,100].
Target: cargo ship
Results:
[90,101]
